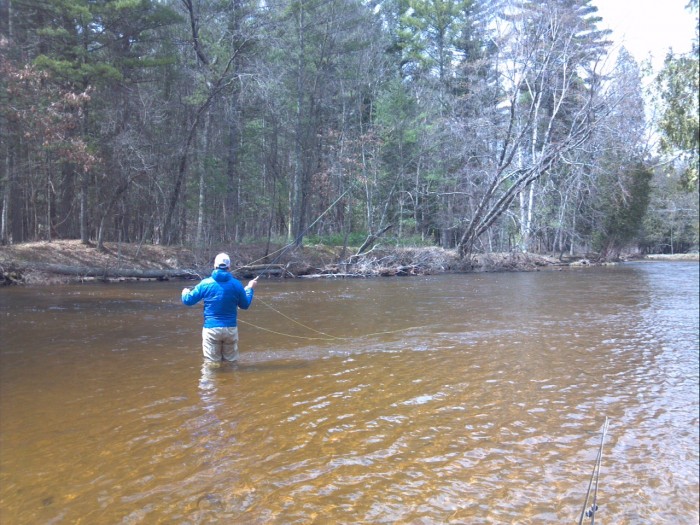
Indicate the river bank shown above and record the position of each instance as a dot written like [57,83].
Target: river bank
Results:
[65,261]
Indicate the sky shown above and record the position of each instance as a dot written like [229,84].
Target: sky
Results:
[648,26]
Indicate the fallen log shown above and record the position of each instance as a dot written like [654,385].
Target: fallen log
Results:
[14,273]
[332,276]
[261,267]
[112,273]
[253,270]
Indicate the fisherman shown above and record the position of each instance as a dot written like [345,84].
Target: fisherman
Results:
[223,295]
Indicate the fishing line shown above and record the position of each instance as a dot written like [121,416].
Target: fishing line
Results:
[297,322]
[281,252]
[286,335]
[284,248]
[327,337]
[330,337]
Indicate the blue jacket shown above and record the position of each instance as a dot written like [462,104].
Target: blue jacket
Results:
[223,295]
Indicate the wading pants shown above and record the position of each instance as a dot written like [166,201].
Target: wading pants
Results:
[220,344]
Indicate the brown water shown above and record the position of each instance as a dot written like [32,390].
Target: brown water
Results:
[483,404]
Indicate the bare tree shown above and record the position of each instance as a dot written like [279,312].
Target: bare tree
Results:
[550,105]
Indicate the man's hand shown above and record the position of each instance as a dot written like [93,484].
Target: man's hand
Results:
[251,284]
[185,291]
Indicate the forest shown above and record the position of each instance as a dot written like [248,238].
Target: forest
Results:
[473,125]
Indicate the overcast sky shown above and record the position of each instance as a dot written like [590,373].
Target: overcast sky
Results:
[649,26]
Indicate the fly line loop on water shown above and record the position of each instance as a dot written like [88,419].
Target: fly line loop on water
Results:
[325,336]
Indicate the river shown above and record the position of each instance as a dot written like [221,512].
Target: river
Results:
[475,398]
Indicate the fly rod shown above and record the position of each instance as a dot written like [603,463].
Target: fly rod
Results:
[593,483]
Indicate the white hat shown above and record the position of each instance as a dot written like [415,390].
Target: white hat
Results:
[222,261]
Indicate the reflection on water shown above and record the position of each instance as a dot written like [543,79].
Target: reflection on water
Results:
[451,399]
